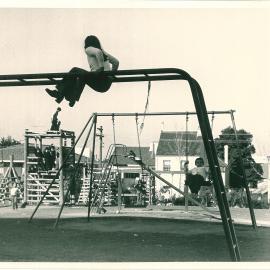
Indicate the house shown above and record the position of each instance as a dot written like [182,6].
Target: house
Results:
[6,154]
[129,170]
[174,149]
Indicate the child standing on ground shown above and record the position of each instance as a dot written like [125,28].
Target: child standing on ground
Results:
[14,193]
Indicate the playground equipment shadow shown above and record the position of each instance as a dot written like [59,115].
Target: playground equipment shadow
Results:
[239,215]
[134,235]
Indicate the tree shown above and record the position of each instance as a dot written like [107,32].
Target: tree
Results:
[8,141]
[253,170]
[227,137]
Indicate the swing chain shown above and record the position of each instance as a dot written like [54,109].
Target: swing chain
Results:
[114,140]
[212,120]
[113,128]
[138,134]
[139,141]
[146,106]
[187,116]
[187,119]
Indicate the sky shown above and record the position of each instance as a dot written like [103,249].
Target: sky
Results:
[226,49]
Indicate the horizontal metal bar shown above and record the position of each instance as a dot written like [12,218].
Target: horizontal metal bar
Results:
[53,81]
[148,78]
[130,72]
[117,76]
[28,83]
[161,113]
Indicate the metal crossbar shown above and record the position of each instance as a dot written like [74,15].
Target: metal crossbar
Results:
[161,113]
[136,75]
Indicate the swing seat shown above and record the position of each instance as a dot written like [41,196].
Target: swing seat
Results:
[194,182]
[205,190]
[131,155]
[138,160]
[206,194]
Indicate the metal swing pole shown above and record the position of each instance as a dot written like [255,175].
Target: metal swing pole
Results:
[118,176]
[215,170]
[72,180]
[139,198]
[138,136]
[59,170]
[186,166]
[251,210]
[92,165]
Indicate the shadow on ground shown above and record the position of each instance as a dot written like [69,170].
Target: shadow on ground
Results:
[126,239]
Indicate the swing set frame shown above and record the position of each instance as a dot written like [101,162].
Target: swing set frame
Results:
[187,114]
[139,75]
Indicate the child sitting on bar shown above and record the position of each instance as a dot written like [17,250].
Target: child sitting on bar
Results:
[98,60]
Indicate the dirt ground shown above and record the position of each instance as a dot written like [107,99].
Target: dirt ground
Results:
[122,238]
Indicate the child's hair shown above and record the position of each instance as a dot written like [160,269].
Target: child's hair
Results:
[93,41]
[199,159]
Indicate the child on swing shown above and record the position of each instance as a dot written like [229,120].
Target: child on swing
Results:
[98,60]
[197,178]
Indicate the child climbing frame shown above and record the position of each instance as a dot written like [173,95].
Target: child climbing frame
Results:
[159,74]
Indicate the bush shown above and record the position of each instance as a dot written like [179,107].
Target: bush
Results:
[178,200]
[259,201]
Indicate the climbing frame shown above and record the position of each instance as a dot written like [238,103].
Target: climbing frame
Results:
[36,177]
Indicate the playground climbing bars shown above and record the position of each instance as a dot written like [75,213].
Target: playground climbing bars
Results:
[158,74]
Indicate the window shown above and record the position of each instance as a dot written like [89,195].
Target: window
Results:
[166,165]
[131,175]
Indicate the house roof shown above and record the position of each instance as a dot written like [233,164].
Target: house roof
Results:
[121,152]
[16,150]
[175,143]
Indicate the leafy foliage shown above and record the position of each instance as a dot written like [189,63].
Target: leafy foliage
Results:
[240,150]
[8,141]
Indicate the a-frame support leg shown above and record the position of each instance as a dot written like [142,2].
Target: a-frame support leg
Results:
[92,167]
[251,210]
[72,180]
[215,169]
